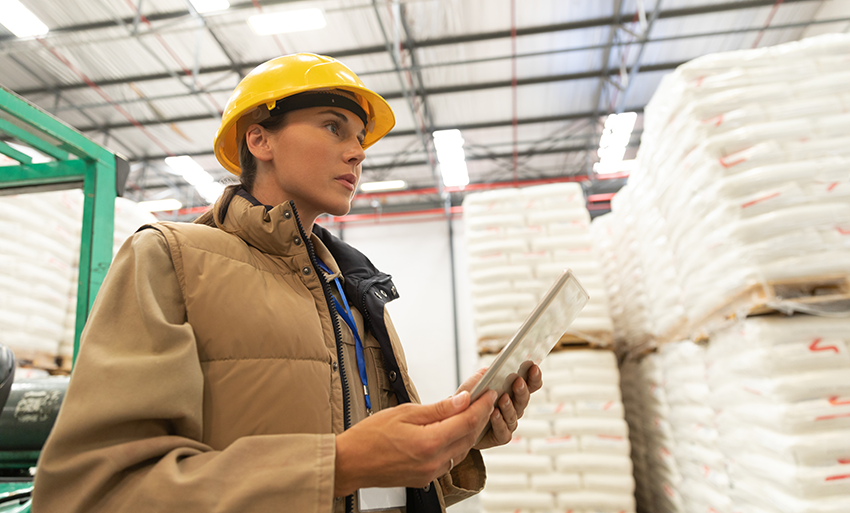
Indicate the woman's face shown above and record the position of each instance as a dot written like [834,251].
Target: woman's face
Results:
[316,161]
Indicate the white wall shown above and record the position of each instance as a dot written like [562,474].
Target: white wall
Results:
[416,254]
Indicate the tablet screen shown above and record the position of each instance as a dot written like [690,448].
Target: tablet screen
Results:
[539,333]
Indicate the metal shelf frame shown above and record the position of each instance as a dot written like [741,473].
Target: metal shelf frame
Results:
[78,162]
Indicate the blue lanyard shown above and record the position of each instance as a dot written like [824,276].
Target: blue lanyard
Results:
[345,313]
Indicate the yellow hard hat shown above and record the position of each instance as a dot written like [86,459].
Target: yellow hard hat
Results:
[291,75]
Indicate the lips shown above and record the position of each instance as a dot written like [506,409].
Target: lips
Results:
[348,180]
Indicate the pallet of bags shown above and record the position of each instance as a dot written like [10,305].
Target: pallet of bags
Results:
[781,390]
[571,450]
[518,242]
[741,189]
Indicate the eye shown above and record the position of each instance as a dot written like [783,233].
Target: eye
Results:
[361,139]
[332,127]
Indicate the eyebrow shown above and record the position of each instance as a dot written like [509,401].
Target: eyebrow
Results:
[342,118]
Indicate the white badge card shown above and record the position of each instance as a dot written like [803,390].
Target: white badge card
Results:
[380,499]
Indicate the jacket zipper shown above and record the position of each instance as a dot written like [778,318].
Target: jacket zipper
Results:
[326,289]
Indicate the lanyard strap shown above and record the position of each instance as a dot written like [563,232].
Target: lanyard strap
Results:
[345,313]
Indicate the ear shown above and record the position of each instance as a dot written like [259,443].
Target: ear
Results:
[257,139]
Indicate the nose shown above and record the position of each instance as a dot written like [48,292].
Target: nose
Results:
[354,154]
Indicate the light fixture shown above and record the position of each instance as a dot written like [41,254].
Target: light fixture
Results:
[615,138]
[20,20]
[287,21]
[193,173]
[161,205]
[623,166]
[203,6]
[388,185]
[449,145]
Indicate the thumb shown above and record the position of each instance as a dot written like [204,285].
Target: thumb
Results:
[441,410]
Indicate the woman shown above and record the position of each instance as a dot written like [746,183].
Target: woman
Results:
[246,362]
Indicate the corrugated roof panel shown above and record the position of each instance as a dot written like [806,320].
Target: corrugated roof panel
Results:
[14,76]
[460,108]
[403,117]
[644,87]
[62,14]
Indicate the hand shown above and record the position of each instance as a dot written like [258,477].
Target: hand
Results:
[409,445]
[505,419]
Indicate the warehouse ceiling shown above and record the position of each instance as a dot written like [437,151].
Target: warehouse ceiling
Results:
[528,82]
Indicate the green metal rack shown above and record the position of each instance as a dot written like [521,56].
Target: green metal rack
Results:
[78,162]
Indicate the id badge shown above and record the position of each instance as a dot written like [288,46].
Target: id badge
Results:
[380,499]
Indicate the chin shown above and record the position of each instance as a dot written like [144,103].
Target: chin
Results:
[340,211]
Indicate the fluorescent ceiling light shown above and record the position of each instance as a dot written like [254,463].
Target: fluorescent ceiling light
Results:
[287,21]
[615,138]
[193,173]
[161,205]
[623,166]
[203,6]
[388,185]
[19,20]
[449,145]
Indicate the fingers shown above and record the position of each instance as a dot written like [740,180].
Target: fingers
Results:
[441,410]
[463,428]
[535,379]
[502,430]
[521,396]
[508,413]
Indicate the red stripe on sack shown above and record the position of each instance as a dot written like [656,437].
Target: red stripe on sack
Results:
[668,490]
[842,231]
[844,461]
[727,165]
[814,346]
[608,405]
[836,478]
[759,200]
[706,470]
[833,186]
[835,402]
[750,390]
[716,120]
[830,417]
[558,439]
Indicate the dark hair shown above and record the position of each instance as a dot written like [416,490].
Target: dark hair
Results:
[247,161]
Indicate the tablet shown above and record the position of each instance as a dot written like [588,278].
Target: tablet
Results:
[537,335]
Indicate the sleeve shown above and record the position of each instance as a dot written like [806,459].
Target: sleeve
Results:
[465,480]
[129,435]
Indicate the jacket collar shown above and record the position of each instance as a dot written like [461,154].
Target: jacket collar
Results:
[273,229]
[361,275]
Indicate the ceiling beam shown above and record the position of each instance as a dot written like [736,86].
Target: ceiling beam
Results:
[467,38]
[667,66]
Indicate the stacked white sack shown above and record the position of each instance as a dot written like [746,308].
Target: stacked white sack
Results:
[40,250]
[701,464]
[615,243]
[656,473]
[781,387]
[518,241]
[571,449]
[742,176]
